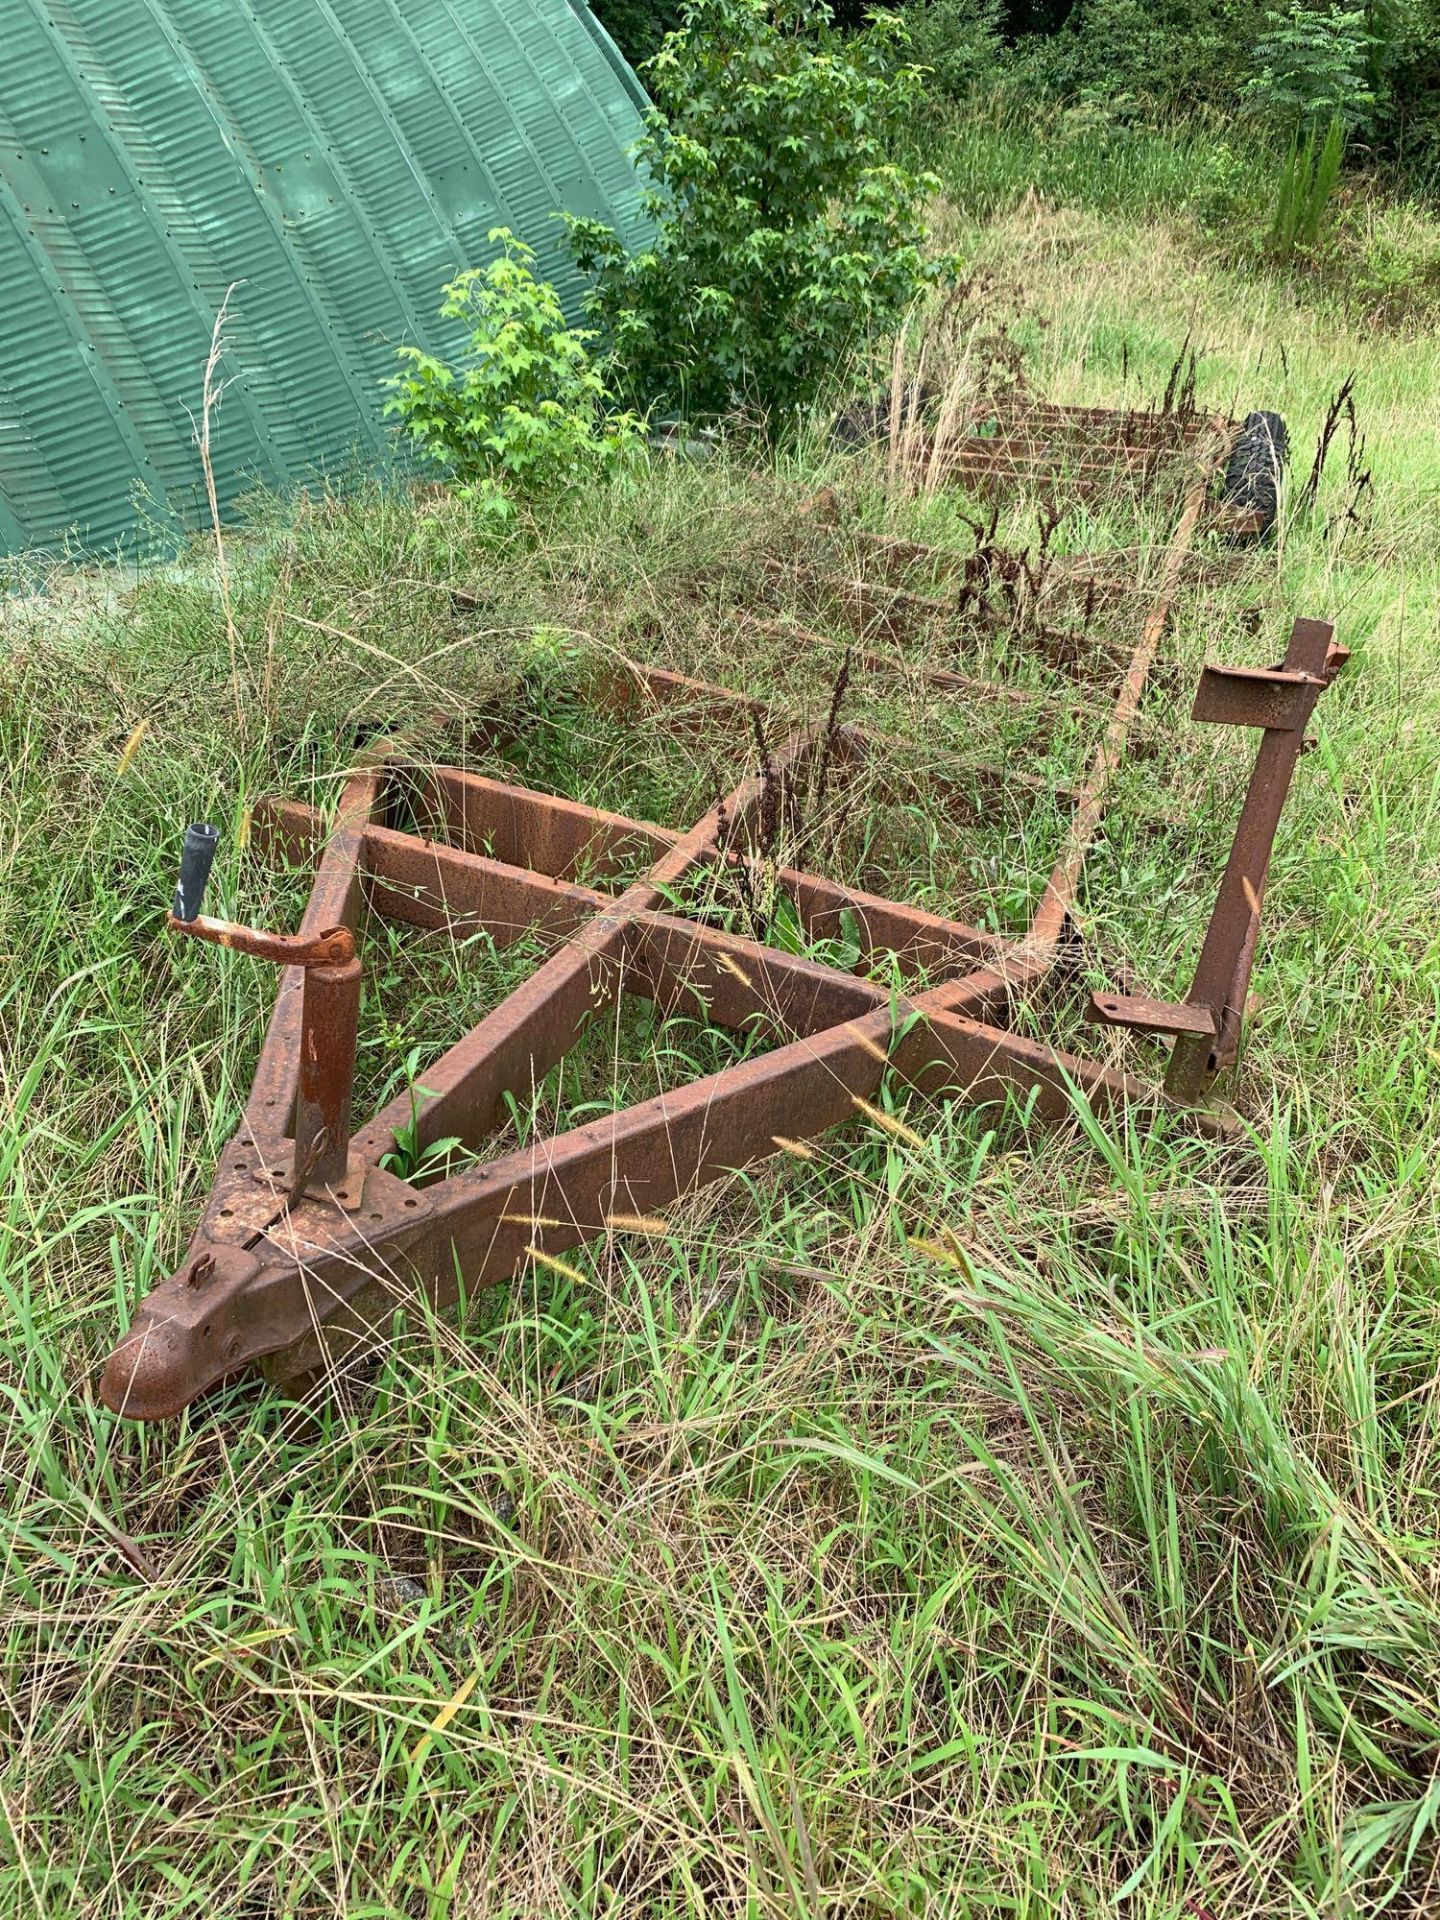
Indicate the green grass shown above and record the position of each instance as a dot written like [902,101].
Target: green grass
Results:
[997,150]
[1369,251]
[962,1519]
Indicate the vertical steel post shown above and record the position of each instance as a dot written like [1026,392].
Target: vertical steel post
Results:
[1222,976]
[329,1019]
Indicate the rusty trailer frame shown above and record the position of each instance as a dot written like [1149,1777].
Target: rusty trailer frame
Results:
[308,1243]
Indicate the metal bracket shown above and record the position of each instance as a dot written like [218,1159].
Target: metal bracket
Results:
[1270,697]
[1280,700]
[1142,1015]
[277,1173]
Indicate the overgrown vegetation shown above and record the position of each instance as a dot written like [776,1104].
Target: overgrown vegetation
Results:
[949,1517]
[961,1516]
[1377,64]
[786,235]
[1198,102]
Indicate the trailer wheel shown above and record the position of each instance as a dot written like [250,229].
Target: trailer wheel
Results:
[1252,476]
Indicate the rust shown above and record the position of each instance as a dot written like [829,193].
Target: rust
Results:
[1256,697]
[329,1018]
[333,948]
[1222,974]
[314,1233]
[1141,1014]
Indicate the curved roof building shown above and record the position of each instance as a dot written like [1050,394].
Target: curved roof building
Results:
[334,161]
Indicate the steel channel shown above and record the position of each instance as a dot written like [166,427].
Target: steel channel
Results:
[663,955]
[946,792]
[451,890]
[524,828]
[315,1286]
[513,1047]
[318,1279]
[1047,926]
[1039,950]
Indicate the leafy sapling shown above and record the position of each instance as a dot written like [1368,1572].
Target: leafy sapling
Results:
[528,413]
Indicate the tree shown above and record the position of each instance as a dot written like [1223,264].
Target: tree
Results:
[783,234]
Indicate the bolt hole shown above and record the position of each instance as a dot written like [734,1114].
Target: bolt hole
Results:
[412,1203]
[376,1216]
[227,1213]
[241,1166]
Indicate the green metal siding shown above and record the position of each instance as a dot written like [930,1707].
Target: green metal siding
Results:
[340,159]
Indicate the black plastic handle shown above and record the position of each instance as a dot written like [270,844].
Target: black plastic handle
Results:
[197,857]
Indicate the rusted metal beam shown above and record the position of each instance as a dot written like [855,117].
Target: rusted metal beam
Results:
[1222,975]
[453,889]
[319,1280]
[949,792]
[334,902]
[514,1047]
[525,828]
[1047,927]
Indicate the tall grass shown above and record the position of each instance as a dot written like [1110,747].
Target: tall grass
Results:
[951,1518]
[1000,148]
[1307,185]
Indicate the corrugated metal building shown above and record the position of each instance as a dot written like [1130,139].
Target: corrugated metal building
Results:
[340,159]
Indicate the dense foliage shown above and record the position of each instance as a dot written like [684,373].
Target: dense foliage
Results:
[640,26]
[958,43]
[529,411]
[1313,66]
[785,231]
[1375,62]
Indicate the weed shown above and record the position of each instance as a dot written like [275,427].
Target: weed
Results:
[1307,183]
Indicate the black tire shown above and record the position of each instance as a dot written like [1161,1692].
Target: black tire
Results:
[1253,473]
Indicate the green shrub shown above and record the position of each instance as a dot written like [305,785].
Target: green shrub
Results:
[529,412]
[1412,74]
[956,43]
[1140,63]
[784,233]
[1394,261]
[1315,67]
[1230,192]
